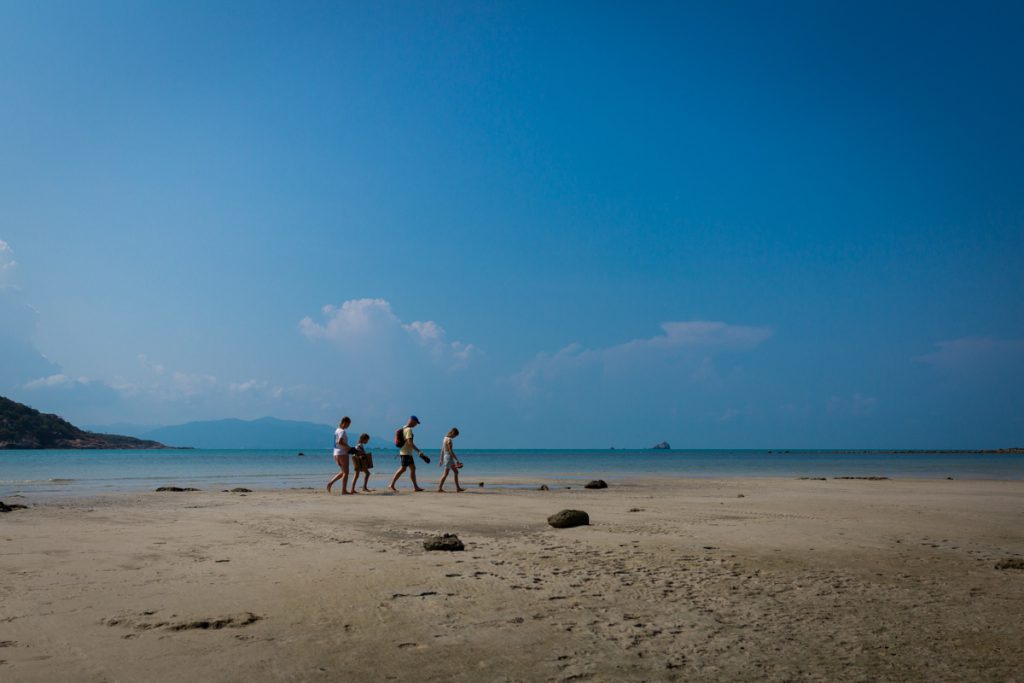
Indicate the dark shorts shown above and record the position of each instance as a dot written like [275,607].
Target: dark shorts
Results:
[407,461]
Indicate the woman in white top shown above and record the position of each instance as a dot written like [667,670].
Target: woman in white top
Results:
[341,449]
[449,462]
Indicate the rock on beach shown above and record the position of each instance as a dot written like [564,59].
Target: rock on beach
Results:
[596,484]
[449,542]
[569,518]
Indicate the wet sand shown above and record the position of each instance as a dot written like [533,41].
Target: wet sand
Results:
[740,579]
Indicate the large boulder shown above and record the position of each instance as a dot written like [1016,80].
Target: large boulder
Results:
[445,542]
[569,518]
[596,484]
[4,507]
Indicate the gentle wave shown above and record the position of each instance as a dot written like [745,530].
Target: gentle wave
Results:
[82,472]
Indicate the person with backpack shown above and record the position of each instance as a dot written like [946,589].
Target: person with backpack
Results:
[405,442]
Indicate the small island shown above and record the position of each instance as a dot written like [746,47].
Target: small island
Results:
[663,446]
[22,427]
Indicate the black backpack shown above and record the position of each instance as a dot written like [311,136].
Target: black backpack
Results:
[400,437]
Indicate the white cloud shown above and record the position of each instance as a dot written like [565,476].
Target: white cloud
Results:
[20,359]
[370,329]
[156,392]
[189,385]
[157,368]
[729,415]
[977,356]
[256,386]
[50,381]
[7,262]
[688,345]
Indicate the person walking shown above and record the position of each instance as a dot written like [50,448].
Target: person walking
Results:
[404,439]
[341,449]
[449,461]
[362,461]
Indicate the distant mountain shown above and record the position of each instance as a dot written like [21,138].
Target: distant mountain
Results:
[266,433]
[25,427]
[129,428]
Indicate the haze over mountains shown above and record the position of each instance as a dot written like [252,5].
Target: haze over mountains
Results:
[264,433]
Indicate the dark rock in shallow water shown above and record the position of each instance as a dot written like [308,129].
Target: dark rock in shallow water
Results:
[176,489]
[241,490]
[445,542]
[569,518]
[481,484]
[865,478]
[596,484]
[543,487]
[1011,563]
[4,507]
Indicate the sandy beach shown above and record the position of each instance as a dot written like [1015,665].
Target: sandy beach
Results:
[680,579]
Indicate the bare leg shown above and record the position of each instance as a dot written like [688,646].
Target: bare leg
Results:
[440,484]
[342,462]
[394,479]
[458,489]
[366,480]
[412,475]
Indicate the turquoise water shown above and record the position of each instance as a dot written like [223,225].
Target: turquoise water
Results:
[79,472]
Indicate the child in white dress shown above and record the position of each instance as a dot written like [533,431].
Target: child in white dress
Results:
[449,462]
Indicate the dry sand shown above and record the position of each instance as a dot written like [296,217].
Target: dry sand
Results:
[674,580]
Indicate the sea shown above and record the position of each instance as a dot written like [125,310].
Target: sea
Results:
[53,473]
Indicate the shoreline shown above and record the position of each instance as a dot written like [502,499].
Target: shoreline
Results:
[505,482]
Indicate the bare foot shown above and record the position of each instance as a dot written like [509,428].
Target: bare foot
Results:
[344,493]
[392,488]
[417,489]
[440,490]
[328,489]
[459,490]
[367,490]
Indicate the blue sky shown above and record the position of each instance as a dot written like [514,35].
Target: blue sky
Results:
[583,224]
